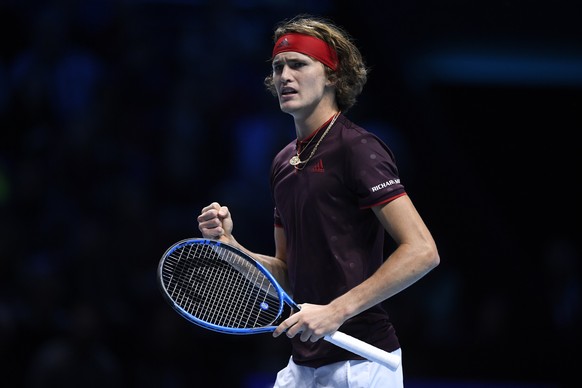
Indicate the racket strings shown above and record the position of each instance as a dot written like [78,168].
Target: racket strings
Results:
[219,287]
[258,289]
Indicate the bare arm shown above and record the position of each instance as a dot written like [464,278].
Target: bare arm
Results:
[215,222]
[416,255]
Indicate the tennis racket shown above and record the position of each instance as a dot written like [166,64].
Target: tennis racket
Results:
[220,288]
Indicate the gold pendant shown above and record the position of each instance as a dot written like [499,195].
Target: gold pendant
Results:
[294,161]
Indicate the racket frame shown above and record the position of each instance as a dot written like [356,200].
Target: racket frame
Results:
[283,297]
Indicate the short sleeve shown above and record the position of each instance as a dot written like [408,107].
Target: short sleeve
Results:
[373,171]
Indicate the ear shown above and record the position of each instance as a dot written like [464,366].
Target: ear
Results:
[331,79]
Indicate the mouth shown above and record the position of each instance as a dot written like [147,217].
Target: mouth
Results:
[287,91]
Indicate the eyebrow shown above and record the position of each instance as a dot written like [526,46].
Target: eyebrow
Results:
[289,59]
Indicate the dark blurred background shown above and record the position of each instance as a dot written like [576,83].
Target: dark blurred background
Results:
[120,120]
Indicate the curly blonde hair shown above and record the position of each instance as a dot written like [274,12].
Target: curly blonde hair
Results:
[351,74]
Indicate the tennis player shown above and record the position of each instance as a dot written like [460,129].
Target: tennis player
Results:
[336,191]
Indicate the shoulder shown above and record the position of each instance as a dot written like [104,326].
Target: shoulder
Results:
[352,131]
[357,138]
[348,127]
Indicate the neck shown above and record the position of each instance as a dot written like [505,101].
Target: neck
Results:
[305,126]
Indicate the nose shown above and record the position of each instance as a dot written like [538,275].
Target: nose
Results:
[285,74]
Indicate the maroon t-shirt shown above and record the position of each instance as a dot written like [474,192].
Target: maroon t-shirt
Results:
[334,240]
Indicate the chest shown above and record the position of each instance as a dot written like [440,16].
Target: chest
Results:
[321,185]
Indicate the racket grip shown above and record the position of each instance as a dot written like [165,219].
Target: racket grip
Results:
[364,349]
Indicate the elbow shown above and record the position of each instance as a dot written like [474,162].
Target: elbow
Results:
[436,259]
[431,257]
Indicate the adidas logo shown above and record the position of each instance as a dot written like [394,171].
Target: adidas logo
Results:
[318,167]
[283,43]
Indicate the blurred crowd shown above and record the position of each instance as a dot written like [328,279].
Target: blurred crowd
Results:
[115,115]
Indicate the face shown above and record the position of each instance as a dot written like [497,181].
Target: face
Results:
[301,82]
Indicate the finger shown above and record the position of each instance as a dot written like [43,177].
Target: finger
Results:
[211,228]
[214,233]
[279,330]
[292,333]
[283,327]
[305,336]
[208,215]
[213,225]
[223,212]
[296,329]
[212,206]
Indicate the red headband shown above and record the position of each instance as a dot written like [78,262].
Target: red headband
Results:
[308,45]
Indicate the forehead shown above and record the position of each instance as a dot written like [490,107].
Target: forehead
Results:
[291,56]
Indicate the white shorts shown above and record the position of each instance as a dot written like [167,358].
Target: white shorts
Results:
[345,374]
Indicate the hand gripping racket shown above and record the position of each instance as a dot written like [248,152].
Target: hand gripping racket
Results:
[221,288]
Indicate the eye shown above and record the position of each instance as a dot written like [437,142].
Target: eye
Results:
[297,65]
[277,67]
[293,65]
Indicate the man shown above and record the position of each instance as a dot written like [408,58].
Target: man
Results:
[337,192]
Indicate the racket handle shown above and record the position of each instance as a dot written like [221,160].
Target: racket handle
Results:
[364,349]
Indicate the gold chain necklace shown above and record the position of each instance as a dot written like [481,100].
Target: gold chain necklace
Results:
[299,164]
[295,160]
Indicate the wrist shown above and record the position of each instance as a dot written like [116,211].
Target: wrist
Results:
[342,309]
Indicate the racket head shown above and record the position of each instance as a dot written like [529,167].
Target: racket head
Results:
[217,286]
